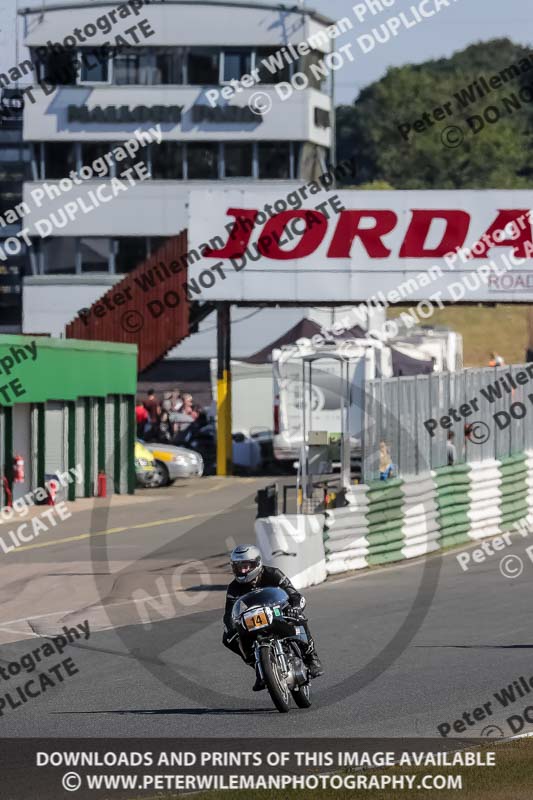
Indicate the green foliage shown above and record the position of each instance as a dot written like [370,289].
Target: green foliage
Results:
[498,156]
[373,186]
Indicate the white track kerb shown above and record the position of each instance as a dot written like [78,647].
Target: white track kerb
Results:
[391,521]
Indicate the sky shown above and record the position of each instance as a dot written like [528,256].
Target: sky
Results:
[464,22]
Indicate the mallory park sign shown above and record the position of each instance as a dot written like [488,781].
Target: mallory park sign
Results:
[125,114]
[347,246]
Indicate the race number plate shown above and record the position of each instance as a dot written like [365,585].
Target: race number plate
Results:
[256,619]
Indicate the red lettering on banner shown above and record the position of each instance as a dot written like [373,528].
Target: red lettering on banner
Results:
[457,224]
[506,217]
[348,228]
[316,229]
[239,236]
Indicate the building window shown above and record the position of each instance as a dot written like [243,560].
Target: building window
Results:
[93,153]
[236,63]
[138,68]
[59,160]
[155,242]
[202,161]
[170,62]
[275,160]
[95,254]
[316,79]
[141,156]
[277,70]
[238,160]
[129,253]
[10,196]
[58,69]
[203,67]
[94,66]
[167,161]
[58,256]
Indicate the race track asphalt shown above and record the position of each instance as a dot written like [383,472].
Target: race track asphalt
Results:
[405,649]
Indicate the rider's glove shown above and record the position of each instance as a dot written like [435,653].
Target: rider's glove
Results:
[298,603]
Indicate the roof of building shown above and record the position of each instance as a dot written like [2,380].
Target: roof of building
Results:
[262,4]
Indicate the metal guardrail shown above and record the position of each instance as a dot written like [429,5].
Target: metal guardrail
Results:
[489,412]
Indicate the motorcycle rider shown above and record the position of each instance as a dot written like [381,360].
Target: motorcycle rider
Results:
[250,573]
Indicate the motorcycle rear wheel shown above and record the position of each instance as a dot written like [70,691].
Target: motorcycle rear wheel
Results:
[277,688]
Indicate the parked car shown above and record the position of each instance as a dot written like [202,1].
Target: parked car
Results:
[173,462]
[246,451]
[144,465]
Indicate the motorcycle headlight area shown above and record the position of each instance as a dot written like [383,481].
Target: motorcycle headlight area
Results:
[256,618]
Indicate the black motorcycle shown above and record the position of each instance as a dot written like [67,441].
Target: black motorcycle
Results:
[270,627]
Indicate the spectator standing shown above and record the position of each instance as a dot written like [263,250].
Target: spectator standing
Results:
[141,416]
[187,404]
[153,408]
[176,399]
[451,449]
[496,360]
[180,424]
[164,429]
[385,462]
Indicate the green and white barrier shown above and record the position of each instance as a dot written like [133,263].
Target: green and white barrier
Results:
[390,521]
[529,484]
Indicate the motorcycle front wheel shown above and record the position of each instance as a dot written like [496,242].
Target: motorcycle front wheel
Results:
[276,685]
[302,696]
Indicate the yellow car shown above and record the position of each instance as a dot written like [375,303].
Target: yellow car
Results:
[144,465]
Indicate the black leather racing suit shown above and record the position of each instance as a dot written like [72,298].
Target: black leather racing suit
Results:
[269,576]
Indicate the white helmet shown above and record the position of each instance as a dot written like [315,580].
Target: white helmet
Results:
[246,562]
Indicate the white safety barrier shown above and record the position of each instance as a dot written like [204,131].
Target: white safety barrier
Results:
[295,545]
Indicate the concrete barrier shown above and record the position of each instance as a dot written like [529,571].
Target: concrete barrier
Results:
[295,545]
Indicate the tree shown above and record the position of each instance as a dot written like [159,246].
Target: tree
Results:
[466,144]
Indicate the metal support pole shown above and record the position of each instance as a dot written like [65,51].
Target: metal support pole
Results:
[224,441]
[346,471]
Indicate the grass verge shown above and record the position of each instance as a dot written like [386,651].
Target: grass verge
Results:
[510,779]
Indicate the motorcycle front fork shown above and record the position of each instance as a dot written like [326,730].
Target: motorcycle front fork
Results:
[280,657]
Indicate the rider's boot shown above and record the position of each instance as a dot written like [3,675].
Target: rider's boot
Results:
[259,684]
[312,661]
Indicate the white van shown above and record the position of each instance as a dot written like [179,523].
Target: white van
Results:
[368,359]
